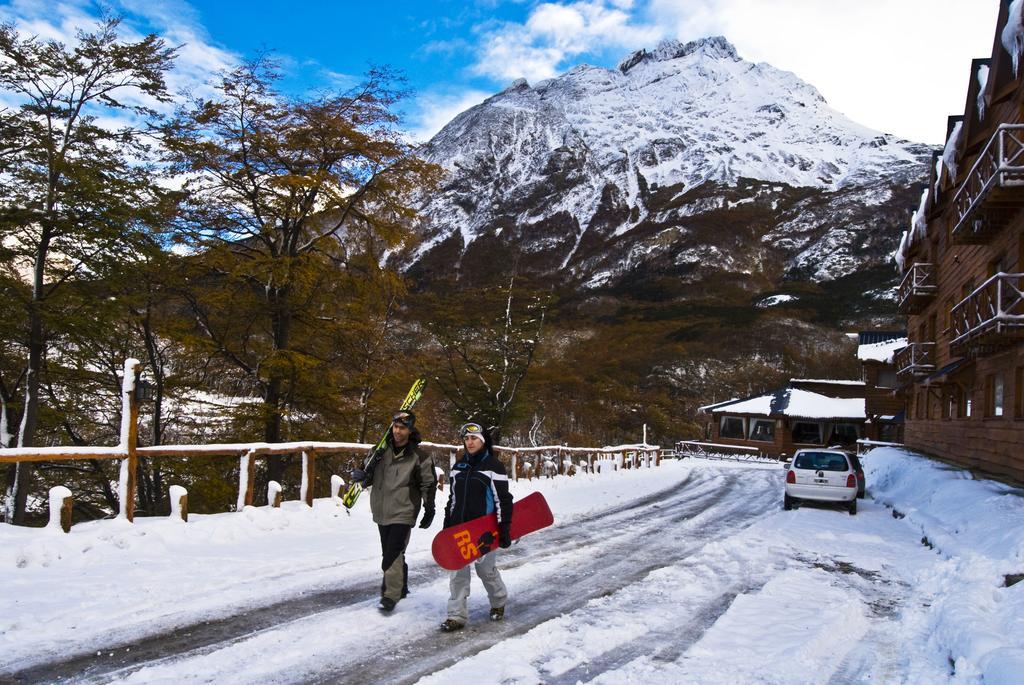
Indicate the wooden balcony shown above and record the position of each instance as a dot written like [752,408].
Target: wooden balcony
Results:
[993,191]
[991,318]
[916,360]
[918,288]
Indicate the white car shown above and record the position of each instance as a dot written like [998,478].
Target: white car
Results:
[824,475]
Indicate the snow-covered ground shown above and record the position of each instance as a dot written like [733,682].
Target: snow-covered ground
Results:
[690,572]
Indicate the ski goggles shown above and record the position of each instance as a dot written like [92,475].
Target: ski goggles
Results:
[403,419]
[474,429]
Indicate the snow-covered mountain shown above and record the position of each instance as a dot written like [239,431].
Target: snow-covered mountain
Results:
[683,159]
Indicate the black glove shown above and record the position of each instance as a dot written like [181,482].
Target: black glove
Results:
[504,538]
[358,475]
[428,517]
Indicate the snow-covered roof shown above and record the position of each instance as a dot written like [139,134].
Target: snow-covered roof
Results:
[830,381]
[880,351]
[797,403]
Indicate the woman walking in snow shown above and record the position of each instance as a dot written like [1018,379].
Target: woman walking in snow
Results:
[479,486]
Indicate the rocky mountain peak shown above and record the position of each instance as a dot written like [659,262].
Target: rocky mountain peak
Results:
[713,47]
[597,173]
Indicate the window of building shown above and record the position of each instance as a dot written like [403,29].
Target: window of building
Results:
[1018,392]
[807,433]
[844,434]
[997,396]
[886,378]
[968,403]
[967,289]
[951,402]
[994,395]
[762,430]
[732,427]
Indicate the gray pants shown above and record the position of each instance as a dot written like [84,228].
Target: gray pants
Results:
[487,569]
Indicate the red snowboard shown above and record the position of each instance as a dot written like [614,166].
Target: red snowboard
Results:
[457,546]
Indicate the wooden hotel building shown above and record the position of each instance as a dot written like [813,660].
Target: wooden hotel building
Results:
[963,287]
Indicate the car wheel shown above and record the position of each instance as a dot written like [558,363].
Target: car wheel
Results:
[787,502]
[853,507]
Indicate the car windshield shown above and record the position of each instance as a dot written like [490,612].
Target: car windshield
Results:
[821,461]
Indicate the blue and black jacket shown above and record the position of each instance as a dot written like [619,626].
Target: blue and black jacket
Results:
[479,486]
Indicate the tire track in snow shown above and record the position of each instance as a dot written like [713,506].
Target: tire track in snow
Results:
[674,529]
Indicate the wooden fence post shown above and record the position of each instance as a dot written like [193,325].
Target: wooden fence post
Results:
[274,494]
[179,503]
[308,477]
[60,508]
[246,480]
[129,438]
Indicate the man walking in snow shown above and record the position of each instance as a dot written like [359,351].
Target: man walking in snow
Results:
[399,480]
[479,486]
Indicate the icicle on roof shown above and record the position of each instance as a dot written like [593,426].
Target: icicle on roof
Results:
[918,229]
[982,76]
[1013,33]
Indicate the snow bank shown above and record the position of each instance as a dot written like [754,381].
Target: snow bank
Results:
[978,525]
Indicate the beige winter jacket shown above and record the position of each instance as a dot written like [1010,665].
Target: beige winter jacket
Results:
[400,485]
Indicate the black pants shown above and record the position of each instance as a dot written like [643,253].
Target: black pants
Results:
[393,541]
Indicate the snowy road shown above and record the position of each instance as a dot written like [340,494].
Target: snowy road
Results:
[688,574]
[561,569]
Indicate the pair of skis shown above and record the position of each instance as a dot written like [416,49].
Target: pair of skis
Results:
[348,500]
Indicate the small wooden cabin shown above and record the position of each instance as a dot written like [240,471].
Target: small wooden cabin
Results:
[963,264]
[805,413]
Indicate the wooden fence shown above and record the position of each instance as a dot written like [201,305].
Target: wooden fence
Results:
[521,462]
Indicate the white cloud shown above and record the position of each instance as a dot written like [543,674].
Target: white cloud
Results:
[434,110]
[198,58]
[556,32]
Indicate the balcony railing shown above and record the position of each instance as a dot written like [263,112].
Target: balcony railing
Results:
[991,192]
[914,361]
[918,288]
[990,318]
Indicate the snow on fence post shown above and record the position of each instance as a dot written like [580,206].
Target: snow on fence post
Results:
[60,508]
[129,440]
[274,494]
[308,477]
[179,503]
[246,480]
[336,483]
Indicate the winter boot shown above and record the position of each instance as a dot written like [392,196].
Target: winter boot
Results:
[497,613]
[450,625]
[386,604]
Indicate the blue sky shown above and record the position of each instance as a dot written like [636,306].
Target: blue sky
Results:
[900,66]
